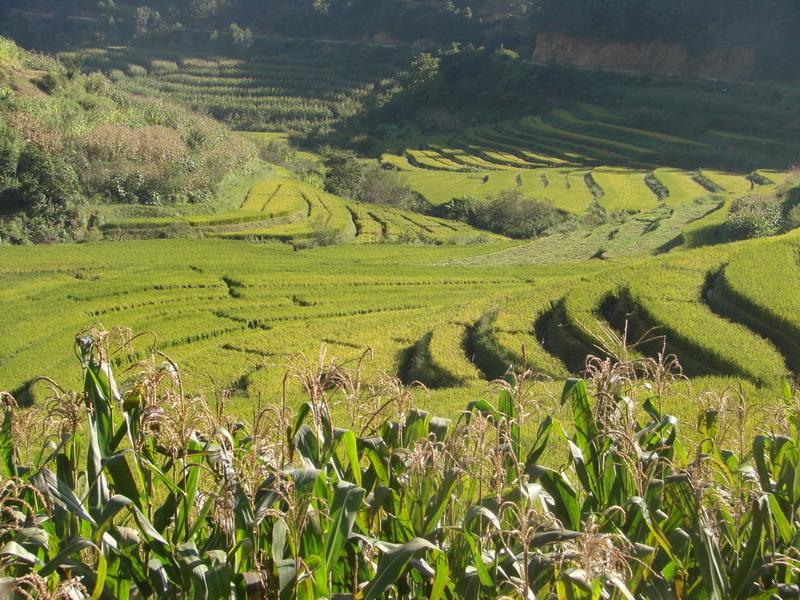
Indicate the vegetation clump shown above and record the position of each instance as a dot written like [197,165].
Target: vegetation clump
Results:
[754,217]
[509,213]
[764,215]
[656,186]
[346,175]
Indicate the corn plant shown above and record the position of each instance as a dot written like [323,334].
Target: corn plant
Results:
[141,491]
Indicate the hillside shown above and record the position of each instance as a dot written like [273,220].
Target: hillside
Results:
[710,35]
[399,299]
[379,99]
[71,142]
[498,101]
[281,85]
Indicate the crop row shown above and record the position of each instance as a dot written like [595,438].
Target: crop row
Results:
[290,90]
[209,88]
[163,63]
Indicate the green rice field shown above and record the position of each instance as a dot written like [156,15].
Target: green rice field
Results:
[451,317]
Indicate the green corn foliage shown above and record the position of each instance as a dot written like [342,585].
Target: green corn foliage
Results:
[409,506]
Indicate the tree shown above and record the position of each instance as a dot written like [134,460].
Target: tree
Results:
[344,173]
[322,234]
[242,37]
[48,189]
[321,6]
[424,70]
[146,19]
[46,176]
[206,8]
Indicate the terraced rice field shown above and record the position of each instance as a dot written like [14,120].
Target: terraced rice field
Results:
[574,159]
[289,90]
[568,188]
[281,208]
[563,187]
[232,312]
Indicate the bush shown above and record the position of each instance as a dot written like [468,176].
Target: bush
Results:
[458,209]
[323,234]
[350,177]
[508,213]
[137,71]
[792,218]
[277,153]
[9,153]
[48,83]
[97,83]
[754,217]
[382,186]
[343,172]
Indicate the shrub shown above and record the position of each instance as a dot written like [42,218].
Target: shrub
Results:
[350,177]
[754,216]
[459,209]
[277,153]
[9,153]
[137,71]
[793,218]
[48,83]
[97,83]
[382,186]
[242,37]
[512,214]
[322,234]
[508,213]
[343,172]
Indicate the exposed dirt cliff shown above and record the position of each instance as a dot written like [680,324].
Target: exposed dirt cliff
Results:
[659,58]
